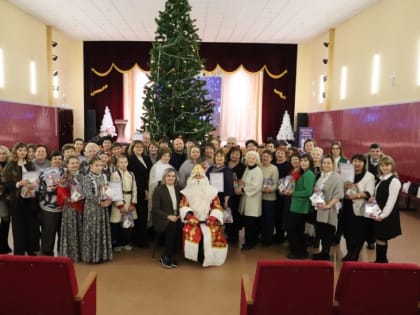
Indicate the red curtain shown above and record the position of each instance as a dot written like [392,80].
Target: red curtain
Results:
[104,63]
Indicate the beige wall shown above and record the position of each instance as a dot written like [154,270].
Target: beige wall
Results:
[390,28]
[70,73]
[23,39]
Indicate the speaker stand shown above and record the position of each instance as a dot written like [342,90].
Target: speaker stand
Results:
[120,124]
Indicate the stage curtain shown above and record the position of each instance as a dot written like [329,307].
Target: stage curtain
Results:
[105,63]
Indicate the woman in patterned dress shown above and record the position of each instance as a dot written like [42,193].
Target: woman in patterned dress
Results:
[96,239]
[70,197]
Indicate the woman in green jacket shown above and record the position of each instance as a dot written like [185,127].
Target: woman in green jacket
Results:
[299,208]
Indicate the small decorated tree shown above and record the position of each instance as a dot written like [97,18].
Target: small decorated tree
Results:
[286,130]
[107,125]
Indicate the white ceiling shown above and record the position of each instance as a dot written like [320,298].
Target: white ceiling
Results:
[241,21]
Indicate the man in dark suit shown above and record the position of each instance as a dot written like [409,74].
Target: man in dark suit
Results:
[375,153]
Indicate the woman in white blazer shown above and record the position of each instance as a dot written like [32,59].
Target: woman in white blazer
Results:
[251,198]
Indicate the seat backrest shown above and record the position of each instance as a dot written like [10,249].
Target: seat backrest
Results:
[37,285]
[371,288]
[293,287]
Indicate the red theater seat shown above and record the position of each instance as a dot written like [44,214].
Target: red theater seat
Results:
[377,289]
[32,285]
[289,287]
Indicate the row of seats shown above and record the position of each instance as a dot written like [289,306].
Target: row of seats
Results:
[44,285]
[307,288]
[281,287]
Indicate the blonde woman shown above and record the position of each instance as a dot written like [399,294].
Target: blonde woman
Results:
[332,186]
[387,225]
[250,189]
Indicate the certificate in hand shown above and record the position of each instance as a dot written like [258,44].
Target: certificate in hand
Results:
[114,190]
[346,172]
[216,179]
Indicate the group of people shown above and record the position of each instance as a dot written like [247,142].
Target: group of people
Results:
[196,200]
[362,206]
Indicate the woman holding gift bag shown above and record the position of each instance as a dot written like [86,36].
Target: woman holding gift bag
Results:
[299,208]
[331,185]
[250,205]
[355,224]
[123,211]
[96,239]
[387,225]
[70,198]
[23,205]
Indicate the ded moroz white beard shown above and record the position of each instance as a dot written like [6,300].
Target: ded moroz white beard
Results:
[199,194]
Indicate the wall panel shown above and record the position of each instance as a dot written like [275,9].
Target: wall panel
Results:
[28,123]
[395,127]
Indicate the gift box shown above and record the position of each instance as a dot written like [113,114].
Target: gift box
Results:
[372,210]
[317,198]
[286,184]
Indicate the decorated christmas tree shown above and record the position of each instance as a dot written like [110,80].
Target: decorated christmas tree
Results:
[107,125]
[176,100]
[286,130]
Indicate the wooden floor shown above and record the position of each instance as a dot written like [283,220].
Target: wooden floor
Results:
[134,283]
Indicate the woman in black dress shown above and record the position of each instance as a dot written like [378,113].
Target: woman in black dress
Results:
[355,225]
[233,161]
[140,164]
[387,223]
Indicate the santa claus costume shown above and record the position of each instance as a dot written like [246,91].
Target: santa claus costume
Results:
[202,213]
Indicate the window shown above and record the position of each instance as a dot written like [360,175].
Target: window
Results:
[343,83]
[418,63]
[376,65]
[1,69]
[32,77]
[55,86]
[321,95]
